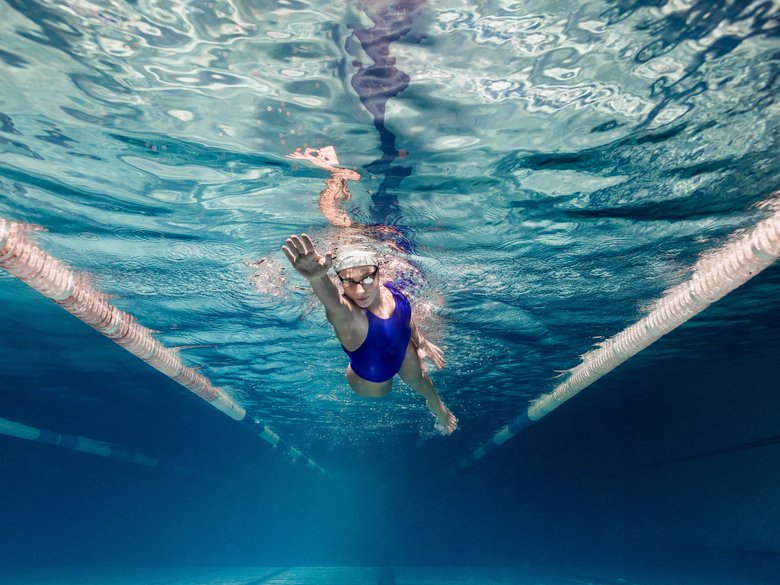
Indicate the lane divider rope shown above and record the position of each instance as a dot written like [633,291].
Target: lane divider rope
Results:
[83,444]
[70,290]
[714,276]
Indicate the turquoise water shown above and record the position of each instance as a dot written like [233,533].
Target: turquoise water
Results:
[547,169]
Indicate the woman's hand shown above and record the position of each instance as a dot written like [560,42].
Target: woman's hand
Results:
[433,352]
[304,257]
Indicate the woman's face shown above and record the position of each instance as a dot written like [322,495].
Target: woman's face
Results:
[361,284]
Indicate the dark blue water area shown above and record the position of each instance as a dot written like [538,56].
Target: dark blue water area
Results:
[616,482]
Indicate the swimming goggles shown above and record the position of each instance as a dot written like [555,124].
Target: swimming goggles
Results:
[367,279]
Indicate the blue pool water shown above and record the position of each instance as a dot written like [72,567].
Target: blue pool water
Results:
[545,170]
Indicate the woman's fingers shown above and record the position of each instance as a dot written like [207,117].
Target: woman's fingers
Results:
[292,247]
[307,243]
[436,355]
[299,247]
[290,256]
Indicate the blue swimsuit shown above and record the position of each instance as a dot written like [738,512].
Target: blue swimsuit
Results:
[380,356]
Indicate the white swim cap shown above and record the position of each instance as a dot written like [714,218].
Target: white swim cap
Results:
[353,258]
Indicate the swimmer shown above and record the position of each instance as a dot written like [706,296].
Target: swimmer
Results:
[373,321]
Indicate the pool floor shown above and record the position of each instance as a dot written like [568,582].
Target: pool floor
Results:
[354,576]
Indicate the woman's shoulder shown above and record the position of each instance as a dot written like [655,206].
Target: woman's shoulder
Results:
[400,297]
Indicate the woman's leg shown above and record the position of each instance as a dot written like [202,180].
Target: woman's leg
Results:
[413,373]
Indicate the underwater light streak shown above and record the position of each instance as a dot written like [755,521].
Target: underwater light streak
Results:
[83,444]
[715,275]
[71,291]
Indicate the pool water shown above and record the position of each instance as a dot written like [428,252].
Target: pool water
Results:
[537,174]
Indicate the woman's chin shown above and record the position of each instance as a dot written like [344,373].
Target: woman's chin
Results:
[363,303]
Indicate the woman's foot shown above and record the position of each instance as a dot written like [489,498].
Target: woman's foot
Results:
[446,423]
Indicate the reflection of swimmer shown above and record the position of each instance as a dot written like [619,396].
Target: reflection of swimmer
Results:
[336,191]
[336,188]
[376,80]
[373,317]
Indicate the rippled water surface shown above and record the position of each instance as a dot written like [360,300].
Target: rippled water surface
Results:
[550,168]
